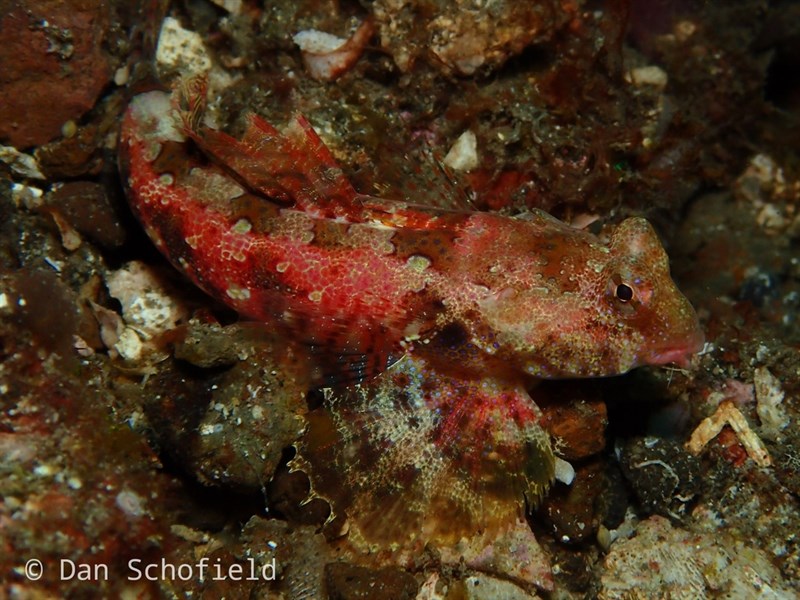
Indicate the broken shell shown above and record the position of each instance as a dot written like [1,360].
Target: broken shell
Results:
[326,56]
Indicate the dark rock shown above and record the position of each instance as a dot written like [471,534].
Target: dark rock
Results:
[759,288]
[570,510]
[786,458]
[288,494]
[350,582]
[664,476]
[230,427]
[86,207]
[612,503]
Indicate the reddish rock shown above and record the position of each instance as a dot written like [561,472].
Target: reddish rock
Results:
[54,66]
[75,484]
[575,420]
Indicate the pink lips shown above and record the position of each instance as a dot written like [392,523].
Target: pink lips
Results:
[679,354]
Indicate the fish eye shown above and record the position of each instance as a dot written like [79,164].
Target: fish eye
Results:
[627,294]
[623,292]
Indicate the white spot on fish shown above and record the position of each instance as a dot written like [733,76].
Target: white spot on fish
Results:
[242,226]
[151,151]
[238,293]
[418,263]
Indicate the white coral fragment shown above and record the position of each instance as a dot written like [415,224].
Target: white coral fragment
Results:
[564,472]
[146,304]
[463,156]
[148,310]
[318,42]
[232,6]
[181,50]
[650,75]
[769,395]
[20,163]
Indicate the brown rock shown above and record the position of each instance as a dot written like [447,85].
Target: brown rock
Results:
[300,555]
[514,554]
[76,156]
[54,66]
[51,312]
[85,206]
[455,37]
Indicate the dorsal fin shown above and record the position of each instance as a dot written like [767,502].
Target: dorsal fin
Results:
[448,192]
[341,369]
[290,166]
[422,180]
[322,181]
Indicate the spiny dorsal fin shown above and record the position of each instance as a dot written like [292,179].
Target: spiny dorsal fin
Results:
[290,166]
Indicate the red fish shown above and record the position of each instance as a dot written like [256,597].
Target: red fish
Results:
[472,305]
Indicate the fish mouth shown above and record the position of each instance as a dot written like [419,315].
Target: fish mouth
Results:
[680,353]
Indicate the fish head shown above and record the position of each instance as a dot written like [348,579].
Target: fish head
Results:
[594,308]
[629,312]
[650,312]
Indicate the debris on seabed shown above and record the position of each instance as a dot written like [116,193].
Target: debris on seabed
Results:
[728,414]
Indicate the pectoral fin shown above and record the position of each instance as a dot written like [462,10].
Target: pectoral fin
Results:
[416,456]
